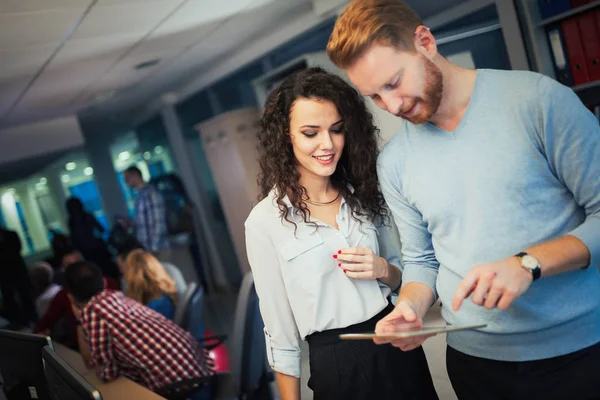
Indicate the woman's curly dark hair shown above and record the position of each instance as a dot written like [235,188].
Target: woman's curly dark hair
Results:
[358,164]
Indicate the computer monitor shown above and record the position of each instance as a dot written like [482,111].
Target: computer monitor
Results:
[64,383]
[21,366]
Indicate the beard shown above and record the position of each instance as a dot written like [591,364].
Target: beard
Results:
[432,98]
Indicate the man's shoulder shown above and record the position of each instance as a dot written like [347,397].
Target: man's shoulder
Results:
[518,85]
[394,149]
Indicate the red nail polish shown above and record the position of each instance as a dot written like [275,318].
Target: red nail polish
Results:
[340,264]
[335,256]
[344,271]
[339,252]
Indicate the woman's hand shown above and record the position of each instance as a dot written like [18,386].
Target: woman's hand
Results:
[362,263]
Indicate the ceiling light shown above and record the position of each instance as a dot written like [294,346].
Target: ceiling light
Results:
[65,178]
[147,155]
[88,171]
[147,64]
[158,149]
[43,180]
[70,166]
[124,156]
[103,96]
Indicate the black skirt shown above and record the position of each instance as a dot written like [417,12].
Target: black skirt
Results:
[360,369]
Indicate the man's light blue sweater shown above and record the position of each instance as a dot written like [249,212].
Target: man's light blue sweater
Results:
[522,167]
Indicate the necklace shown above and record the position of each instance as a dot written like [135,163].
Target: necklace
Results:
[324,203]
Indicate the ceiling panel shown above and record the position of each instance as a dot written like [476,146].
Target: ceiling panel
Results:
[23,61]
[83,50]
[160,39]
[198,12]
[36,29]
[124,72]
[21,6]
[123,19]
[10,90]
[111,2]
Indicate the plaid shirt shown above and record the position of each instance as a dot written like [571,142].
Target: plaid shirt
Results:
[151,219]
[128,339]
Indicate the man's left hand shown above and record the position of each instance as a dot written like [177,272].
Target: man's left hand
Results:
[494,285]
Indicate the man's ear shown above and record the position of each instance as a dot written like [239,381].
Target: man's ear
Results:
[425,42]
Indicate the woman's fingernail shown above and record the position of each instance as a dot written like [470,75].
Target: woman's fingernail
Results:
[344,271]
[340,264]
[339,252]
[335,256]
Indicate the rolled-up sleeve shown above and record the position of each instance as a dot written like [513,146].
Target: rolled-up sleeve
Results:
[571,137]
[418,256]
[281,332]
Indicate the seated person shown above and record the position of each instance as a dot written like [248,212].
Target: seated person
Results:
[147,282]
[132,244]
[59,313]
[42,276]
[125,338]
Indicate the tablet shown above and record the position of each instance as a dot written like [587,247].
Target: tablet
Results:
[402,335]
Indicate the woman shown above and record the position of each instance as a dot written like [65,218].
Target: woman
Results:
[148,283]
[322,258]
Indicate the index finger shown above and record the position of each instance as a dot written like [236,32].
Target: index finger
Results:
[465,288]
[355,250]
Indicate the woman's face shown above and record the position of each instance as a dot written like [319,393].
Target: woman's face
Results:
[317,135]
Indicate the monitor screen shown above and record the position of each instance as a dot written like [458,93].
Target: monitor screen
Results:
[64,383]
[21,367]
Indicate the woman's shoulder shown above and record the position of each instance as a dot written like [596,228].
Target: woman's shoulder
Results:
[265,212]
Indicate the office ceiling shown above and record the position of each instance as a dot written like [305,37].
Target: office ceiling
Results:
[60,57]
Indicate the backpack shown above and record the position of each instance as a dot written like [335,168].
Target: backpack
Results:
[178,208]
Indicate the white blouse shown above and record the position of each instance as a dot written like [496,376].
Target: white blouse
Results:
[300,287]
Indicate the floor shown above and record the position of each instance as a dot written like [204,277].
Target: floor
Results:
[219,313]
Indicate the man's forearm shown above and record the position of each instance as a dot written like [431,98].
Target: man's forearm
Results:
[420,297]
[564,254]
[83,348]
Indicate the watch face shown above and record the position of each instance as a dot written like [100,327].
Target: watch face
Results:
[529,262]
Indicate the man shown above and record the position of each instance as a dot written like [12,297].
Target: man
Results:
[129,246]
[127,339]
[59,319]
[150,216]
[14,280]
[494,183]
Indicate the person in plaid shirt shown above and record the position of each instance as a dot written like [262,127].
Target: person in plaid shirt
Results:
[128,339]
[150,214]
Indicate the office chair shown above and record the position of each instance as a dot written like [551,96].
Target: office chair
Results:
[250,374]
[184,303]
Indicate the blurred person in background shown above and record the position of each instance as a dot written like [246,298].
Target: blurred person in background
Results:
[17,294]
[86,236]
[59,321]
[149,213]
[148,283]
[132,244]
[42,276]
[149,349]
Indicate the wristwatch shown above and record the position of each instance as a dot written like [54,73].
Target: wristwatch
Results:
[531,264]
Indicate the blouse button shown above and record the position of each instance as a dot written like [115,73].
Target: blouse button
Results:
[343,218]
